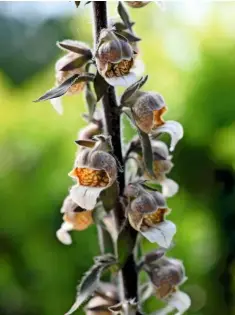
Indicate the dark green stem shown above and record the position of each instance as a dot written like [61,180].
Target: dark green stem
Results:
[112,128]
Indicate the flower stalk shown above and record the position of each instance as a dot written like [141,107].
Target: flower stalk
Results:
[112,127]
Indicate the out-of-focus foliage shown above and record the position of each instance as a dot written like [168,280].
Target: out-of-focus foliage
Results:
[192,64]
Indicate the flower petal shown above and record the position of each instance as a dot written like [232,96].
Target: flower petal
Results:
[125,81]
[84,196]
[162,233]
[169,187]
[57,105]
[63,235]
[139,67]
[181,301]
[175,130]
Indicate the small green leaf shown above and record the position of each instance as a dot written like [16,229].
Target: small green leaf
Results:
[91,101]
[59,90]
[100,86]
[121,27]
[129,36]
[75,64]
[151,185]
[72,46]
[64,87]
[126,242]
[109,196]
[107,245]
[147,152]
[90,281]
[145,144]
[124,15]
[86,143]
[132,89]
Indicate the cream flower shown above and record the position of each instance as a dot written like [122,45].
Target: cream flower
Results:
[95,170]
[146,213]
[74,218]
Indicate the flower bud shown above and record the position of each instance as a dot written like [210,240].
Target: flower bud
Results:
[75,218]
[114,59]
[137,4]
[146,213]
[95,170]
[148,110]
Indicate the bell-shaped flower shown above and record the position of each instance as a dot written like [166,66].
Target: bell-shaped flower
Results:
[94,171]
[70,64]
[115,59]
[75,218]
[147,110]
[166,275]
[162,165]
[146,213]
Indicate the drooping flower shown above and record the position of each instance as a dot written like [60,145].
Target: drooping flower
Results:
[162,165]
[115,59]
[94,171]
[148,109]
[137,4]
[105,297]
[75,218]
[166,275]
[146,213]
[72,63]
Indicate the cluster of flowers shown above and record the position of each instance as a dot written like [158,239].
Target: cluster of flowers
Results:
[166,275]
[95,168]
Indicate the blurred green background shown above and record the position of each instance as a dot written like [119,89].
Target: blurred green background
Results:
[189,54]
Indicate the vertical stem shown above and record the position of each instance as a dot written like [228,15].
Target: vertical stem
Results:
[112,126]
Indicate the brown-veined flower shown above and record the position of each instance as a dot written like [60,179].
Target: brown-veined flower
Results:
[148,109]
[94,171]
[166,275]
[75,218]
[115,59]
[146,213]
